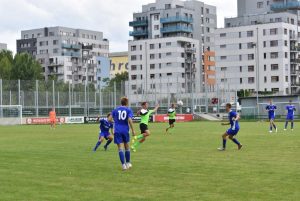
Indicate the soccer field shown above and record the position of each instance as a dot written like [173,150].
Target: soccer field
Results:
[39,164]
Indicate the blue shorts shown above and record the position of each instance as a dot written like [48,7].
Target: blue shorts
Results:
[105,135]
[289,117]
[120,138]
[232,132]
[271,117]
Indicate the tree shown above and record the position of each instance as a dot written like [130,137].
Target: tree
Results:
[25,67]
[6,64]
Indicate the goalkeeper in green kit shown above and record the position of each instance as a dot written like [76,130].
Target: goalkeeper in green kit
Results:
[145,115]
[172,117]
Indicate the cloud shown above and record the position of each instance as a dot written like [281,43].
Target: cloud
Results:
[109,16]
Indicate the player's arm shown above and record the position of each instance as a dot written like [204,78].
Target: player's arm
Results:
[237,117]
[138,113]
[130,122]
[156,108]
[112,131]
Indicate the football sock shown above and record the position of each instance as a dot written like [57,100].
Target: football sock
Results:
[121,155]
[127,155]
[274,126]
[292,125]
[136,144]
[107,143]
[97,145]
[224,143]
[286,124]
[236,141]
[271,127]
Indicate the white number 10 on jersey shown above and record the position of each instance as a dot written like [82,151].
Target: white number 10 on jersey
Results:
[122,114]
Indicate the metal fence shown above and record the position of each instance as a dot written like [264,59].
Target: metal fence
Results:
[38,97]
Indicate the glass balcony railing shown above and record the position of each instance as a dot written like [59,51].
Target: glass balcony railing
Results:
[176,19]
[294,5]
[78,47]
[176,29]
[138,33]
[138,23]
[70,46]
[71,54]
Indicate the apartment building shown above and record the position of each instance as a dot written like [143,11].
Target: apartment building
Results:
[169,40]
[3,46]
[68,54]
[258,50]
[119,63]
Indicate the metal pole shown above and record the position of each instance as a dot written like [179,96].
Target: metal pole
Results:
[70,108]
[257,69]
[19,92]
[1,97]
[37,97]
[57,102]
[47,99]
[85,100]
[100,99]
[115,95]
[9,97]
[53,94]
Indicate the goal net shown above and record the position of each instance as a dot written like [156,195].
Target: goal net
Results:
[10,114]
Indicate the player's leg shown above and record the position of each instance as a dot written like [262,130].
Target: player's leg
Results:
[140,139]
[119,141]
[109,140]
[127,150]
[224,139]
[273,123]
[292,124]
[286,124]
[231,137]
[100,140]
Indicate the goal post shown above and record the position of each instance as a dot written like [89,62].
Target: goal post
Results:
[10,115]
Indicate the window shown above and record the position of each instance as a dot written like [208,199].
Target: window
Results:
[55,50]
[133,77]
[152,76]
[133,57]
[222,46]
[278,19]
[51,33]
[240,34]
[260,4]
[156,27]
[265,55]
[152,66]
[250,56]
[223,68]
[249,33]
[222,35]
[26,36]
[156,36]
[133,48]
[240,46]
[241,68]
[265,79]
[285,43]
[250,45]
[168,53]
[274,55]
[285,31]
[133,67]
[133,87]
[273,43]
[152,56]
[275,79]
[167,6]
[274,67]
[273,31]
[250,80]
[275,90]
[223,57]
[169,74]
[168,44]
[156,17]
[250,68]
[264,32]
[207,11]
[169,64]
[240,57]
[55,42]
[265,67]
[286,55]
[151,46]
[265,43]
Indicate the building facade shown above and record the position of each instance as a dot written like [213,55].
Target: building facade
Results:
[103,70]
[3,46]
[258,50]
[169,39]
[65,53]
[119,63]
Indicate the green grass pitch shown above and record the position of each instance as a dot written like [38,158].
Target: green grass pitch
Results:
[39,164]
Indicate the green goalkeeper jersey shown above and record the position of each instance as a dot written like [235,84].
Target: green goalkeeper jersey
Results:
[172,113]
[145,115]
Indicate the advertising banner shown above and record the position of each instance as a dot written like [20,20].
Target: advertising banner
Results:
[74,120]
[179,118]
[43,121]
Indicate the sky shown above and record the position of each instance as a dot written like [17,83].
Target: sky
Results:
[109,16]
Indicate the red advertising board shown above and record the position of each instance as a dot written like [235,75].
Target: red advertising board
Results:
[43,120]
[179,118]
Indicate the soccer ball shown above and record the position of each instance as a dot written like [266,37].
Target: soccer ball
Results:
[180,103]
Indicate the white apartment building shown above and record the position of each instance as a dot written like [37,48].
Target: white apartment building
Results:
[169,38]
[259,52]
[66,53]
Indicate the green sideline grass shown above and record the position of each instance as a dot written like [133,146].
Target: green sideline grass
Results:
[39,164]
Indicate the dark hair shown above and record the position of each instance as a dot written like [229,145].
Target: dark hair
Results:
[124,101]
[144,103]
[172,105]
[228,105]
[108,115]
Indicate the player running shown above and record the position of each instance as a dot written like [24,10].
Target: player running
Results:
[271,113]
[233,130]
[145,115]
[172,117]
[290,115]
[122,116]
[105,126]
[52,117]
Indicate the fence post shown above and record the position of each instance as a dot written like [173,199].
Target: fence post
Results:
[19,92]
[1,97]
[37,97]
[57,102]
[53,93]
[70,108]
[85,100]
[115,95]
[47,99]
[100,99]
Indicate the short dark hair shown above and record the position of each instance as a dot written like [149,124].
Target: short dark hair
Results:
[173,105]
[228,105]
[144,103]
[108,115]
[124,101]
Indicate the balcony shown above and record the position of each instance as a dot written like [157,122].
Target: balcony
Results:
[295,60]
[71,54]
[172,29]
[190,60]
[139,23]
[138,33]
[295,84]
[66,46]
[176,19]
[76,47]
[286,6]
[59,63]
[53,72]
[190,50]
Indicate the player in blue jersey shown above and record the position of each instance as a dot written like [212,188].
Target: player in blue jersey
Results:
[122,116]
[290,115]
[271,114]
[105,126]
[234,128]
